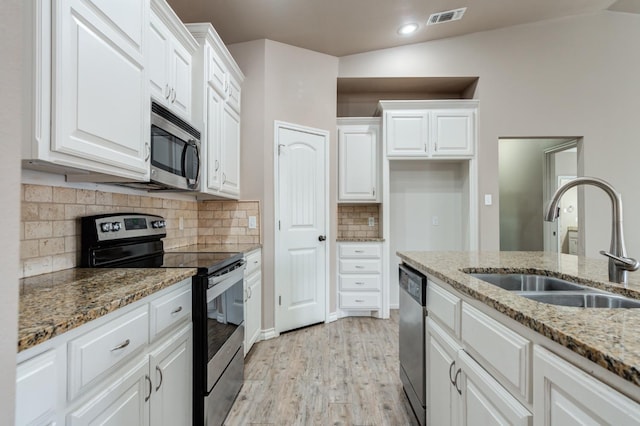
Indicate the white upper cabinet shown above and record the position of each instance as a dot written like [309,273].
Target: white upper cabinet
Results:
[358,160]
[429,129]
[89,98]
[217,96]
[170,53]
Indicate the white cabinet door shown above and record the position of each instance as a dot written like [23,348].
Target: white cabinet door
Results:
[171,367]
[180,60]
[252,310]
[100,85]
[407,133]
[230,152]
[484,401]
[212,146]
[442,396]
[452,133]
[124,402]
[36,390]
[564,395]
[159,42]
[358,163]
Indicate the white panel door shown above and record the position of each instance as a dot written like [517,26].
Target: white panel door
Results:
[181,77]
[101,103]
[300,253]
[159,44]
[358,163]
[407,133]
[453,132]
[212,145]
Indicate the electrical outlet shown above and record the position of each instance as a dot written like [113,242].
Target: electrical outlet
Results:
[181,223]
[435,221]
[372,221]
[252,222]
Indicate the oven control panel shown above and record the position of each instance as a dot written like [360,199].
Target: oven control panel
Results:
[128,225]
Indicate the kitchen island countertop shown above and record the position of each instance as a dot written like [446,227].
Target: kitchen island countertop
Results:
[608,337]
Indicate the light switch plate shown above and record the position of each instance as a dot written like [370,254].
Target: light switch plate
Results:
[252,222]
[488,199]
[435,221]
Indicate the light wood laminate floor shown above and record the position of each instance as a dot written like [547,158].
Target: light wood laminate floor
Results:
[342,373]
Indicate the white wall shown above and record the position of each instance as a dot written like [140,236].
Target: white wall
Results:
[569,77]
[294,85]
[11,70]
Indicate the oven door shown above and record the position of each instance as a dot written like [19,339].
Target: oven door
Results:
[175,155]
[225,322]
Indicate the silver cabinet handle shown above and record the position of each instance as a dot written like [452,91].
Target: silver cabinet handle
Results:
[256,262]
[121,345]
[224,178]
[217,165]
[455,381]
[359,267]
[359,251]
[167,91]
[435,145]
[159,370]
[425,147]
[173,95]
[373,190]
[148,379]
[175,311]
[359,301]
[360,282]
[147,151]
[250,292]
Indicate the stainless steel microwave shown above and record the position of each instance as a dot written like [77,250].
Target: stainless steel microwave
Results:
[175,151]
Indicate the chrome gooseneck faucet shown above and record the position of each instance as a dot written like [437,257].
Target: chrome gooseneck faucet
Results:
[619,263]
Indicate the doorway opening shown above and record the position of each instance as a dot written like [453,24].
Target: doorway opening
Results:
[530,170]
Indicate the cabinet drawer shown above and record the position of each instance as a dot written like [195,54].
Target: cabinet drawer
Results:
[359,250]
[503,352]
[360,300]
[100,349]
[254,262]
[170,309]
[445,307]
[364,282]
[365,266]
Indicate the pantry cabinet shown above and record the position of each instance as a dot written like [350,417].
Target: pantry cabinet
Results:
[217,103]
[429,129]
[171,48]
[359,160]
[88,106]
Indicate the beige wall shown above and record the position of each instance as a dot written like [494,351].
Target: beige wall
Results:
[11,70]
[294,85]
[575,76]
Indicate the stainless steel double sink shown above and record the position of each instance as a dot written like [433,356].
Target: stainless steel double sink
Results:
[556,291]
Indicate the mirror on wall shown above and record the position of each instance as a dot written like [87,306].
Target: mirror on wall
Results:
[530,170]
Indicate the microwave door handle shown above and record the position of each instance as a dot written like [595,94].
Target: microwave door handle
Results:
[189,144]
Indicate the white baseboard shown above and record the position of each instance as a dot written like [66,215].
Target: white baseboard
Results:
[333,316]
[269,333]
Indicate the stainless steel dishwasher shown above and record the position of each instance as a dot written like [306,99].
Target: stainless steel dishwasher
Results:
[413,296]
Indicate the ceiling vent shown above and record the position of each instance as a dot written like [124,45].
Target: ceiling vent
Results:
[449,15]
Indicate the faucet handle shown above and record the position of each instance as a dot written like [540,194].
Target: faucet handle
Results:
[626,263]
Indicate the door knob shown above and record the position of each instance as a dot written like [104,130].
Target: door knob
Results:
[322,238]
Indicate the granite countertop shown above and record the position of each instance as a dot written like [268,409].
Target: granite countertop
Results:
[359,239]
[216,248]
[608,337]
[51,304]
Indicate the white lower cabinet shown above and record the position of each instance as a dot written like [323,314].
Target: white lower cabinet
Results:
[564,395]
[359,277]
[253,299]
[111,372]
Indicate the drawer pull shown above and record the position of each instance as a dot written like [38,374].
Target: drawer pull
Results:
[359,251]
[255,261]
[360,282]
[175,311]
[359,301]
[359,267]
[121,345]
[159,370]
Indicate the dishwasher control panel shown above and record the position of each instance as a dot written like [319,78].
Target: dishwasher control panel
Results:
[414,283]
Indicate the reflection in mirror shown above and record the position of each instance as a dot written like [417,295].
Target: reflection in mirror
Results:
[530,170]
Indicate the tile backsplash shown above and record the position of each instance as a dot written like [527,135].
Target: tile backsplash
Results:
[353,220]
[50,226]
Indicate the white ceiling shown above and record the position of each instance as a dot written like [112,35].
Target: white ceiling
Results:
[343,27]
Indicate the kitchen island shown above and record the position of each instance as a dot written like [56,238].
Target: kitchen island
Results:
[510,335]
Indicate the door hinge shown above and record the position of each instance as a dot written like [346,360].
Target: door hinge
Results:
[279,300]
[279,226]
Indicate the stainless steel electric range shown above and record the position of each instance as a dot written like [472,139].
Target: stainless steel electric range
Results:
[133,240]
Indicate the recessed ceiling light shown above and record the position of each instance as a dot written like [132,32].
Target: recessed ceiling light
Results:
[408,29]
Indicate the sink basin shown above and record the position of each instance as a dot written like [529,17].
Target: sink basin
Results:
[529,282]
[584,300]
